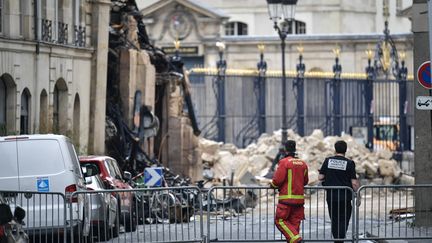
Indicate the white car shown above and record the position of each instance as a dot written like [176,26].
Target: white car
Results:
[46,168]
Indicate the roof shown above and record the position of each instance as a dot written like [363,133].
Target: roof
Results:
[34,136]
[192,4]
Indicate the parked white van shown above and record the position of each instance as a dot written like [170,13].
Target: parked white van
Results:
[44,165]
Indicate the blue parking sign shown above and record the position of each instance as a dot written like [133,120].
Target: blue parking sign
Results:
[42,184]
[153,176]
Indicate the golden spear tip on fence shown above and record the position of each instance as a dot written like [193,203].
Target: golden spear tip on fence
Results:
[177,44]
[300,49]
[261,48]
[369,54]
[337,51]
[402,55]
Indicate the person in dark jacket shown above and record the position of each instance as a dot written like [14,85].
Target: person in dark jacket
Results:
[338,170]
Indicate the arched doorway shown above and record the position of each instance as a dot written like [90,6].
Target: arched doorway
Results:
[25,112]
[60,101]
[2,107]
[76,120]
[7,104]
[43,114]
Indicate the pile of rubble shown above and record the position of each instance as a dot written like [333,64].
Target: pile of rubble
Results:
[253,162]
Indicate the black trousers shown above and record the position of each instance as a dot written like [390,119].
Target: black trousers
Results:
[340,214]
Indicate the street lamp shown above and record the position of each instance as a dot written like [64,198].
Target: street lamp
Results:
[282,12]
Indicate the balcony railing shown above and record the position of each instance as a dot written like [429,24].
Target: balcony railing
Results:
[62,33]
[47,30]
[80,36]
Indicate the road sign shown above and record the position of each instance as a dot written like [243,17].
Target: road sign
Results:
[153,176]
[42,184]
[424,75]
[424,102]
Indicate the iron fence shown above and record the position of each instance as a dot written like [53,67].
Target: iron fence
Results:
[63,32]
[46,30]
[230,214]
[238,109]
[80,35]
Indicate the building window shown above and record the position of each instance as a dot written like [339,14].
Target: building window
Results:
[43,7]
[386,8]
[2,107]
[236,28]
[300,27]
[297,27]
[25,112]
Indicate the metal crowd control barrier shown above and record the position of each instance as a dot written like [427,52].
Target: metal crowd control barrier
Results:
[233,214]
[246,214]
[390,212]
[141,215]
[45,219]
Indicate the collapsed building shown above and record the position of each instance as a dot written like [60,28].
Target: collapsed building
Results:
[250,165]
[146,123]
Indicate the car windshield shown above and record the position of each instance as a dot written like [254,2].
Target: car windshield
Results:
[113,169]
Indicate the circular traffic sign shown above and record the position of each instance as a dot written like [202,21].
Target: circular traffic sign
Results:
[424,75]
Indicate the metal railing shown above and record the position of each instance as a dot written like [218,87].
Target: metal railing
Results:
[247,214]
[46,216]
[62,33]
[46,30]
[80,35]
[143,215]
[390,212]
[230,214]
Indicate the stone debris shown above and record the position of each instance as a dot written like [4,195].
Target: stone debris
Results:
[226,159]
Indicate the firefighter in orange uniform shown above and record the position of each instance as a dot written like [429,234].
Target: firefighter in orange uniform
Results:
[290,178]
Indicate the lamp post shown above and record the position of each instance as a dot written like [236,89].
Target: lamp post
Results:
[337,70]
[282,12]
[371,76]
[221,68]
[262,69]
[299,83]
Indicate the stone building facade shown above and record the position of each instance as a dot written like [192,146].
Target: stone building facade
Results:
[53,69]
[320,26]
